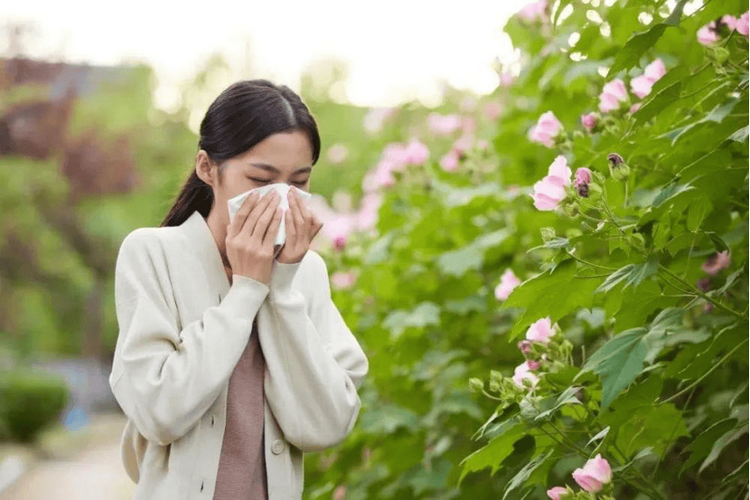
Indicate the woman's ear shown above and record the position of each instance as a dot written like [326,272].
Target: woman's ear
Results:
[204,169]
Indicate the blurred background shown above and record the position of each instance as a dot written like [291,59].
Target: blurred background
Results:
[98,128]
[436,120]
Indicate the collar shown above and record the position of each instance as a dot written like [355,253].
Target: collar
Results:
[201,241]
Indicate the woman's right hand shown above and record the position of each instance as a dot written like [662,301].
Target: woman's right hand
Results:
[251,236]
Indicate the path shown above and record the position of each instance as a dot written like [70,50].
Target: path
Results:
[95,473]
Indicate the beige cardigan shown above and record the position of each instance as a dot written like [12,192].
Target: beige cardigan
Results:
[182,329]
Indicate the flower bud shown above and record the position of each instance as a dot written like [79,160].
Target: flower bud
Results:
[524,346]
[495,386]
[570,209]
[704,284]
[618,169]
[476,384]
[548,234]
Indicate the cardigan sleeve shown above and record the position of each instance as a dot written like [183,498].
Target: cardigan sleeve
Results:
[314,363]
[163,377]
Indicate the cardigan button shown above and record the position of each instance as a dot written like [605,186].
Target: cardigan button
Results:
[277,447]
[212,420]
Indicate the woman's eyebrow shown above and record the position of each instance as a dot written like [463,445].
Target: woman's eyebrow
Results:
[266,166]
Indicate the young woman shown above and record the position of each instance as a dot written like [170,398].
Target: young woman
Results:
[232,360]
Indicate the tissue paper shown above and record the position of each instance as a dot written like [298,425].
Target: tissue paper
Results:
[280,187]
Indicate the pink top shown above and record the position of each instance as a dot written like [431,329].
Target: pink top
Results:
[242,464]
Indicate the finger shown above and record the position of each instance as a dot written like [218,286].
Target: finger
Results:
[317,224]
[264,218]
[235,226]
[299,222]
[273,229]
[256,221]
[291,229]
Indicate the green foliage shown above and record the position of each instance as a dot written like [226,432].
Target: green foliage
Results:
[646,360]
[30,401]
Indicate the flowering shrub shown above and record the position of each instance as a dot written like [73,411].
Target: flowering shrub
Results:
[587,274]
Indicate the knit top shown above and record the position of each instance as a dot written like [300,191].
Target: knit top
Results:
[242,464]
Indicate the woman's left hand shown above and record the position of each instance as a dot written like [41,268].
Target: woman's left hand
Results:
[301,227]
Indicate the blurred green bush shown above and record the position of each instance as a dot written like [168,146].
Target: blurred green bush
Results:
[30,401]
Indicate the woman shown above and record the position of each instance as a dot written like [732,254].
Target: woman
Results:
[232,360]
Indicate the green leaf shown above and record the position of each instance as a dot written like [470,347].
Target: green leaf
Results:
[658,103]
[702,445]
[619,362]
[426,313]
[379,251]
[386,419]
[553,294]
[740,135]
[739,430]
[492,454]
[632,274]
[526,471]
[635,47]
[697,212]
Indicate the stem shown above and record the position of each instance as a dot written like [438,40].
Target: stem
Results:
[592,264]
[695,291]
[716,365]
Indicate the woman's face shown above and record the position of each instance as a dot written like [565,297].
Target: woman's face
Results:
[282,157]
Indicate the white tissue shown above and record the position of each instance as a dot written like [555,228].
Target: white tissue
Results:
[282,188]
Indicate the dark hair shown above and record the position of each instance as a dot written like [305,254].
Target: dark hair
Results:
[243,115]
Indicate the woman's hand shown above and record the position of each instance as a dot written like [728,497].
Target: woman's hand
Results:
[251,235]
[301,227]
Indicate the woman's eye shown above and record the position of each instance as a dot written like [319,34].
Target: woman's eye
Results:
[302,183]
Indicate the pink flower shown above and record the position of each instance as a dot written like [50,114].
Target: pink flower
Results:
[594,474]
[707,34]
[339,493]
[442,125]
[340,279]
[521,373]
[377,178]
[337,153]
[492,110]
[367,215]
[533,11]
[641,85]
[416,152]
[540,331]
[550,191]
[588,121]
[730,21]
[559,168]
[635,107]
[742,24]
[546,128]
[716,262]
[338,229]
[533,365]
[463,144]
[449,161]
[583,176]
[655,70]
[612,94]
[555,492]
[524,346]
[508,281]
[582,181]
